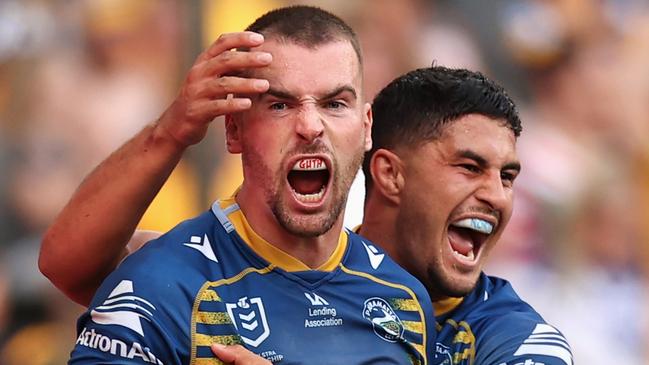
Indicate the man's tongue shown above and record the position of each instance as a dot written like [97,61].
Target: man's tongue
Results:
[306,182]
[460,240]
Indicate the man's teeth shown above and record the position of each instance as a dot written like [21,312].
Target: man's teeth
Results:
[309,164]
[307,198]
[475,224]
[469,256]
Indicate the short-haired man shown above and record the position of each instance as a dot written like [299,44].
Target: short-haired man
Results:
[442,170]
[272,267]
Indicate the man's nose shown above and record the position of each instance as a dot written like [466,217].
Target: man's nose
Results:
[493,192]
[309,125]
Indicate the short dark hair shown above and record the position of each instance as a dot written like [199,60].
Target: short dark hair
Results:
[307,26]
[412,109]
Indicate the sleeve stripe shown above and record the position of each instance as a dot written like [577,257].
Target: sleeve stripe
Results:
[561,342]
[546,350]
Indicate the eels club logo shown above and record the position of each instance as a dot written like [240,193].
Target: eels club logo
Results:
[385,322]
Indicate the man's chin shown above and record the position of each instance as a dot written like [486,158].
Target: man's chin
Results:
[455,286]
[306,225]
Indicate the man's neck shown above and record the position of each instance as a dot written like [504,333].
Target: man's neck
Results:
[312,251]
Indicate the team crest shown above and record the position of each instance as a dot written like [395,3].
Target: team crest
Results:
[385,322]
[249,318]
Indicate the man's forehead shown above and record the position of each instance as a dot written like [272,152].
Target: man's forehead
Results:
[477,133]
[335,60]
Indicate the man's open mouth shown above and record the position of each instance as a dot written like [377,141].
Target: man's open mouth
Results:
[467,236]
[309,178]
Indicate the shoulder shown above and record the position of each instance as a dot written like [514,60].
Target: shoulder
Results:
[142,311]
[182,248]
[508,330]
[367,257]
[129,321]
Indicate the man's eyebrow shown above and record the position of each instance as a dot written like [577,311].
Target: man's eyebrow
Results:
[482,162]
[285,95]
[280,94]
[339,90]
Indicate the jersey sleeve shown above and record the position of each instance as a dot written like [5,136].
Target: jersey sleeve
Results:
[523,341]
[139,315]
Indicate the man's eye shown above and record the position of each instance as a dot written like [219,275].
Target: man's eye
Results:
[507,178]
[334,105]
[278,106]
[470,168]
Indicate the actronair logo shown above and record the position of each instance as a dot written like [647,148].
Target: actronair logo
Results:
[97,341]
[123,309]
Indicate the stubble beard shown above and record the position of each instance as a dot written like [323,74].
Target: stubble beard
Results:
[442,283]
[306,225]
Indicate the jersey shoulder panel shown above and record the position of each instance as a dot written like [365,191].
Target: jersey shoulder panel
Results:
[365,256]
[142,311]
[498,327]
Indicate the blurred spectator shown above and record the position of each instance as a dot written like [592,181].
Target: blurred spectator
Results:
[575,252]
[109,69]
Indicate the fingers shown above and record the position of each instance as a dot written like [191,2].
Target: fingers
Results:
[229,41]
[238,355]
[221,87]
[229,61]
[207,109]
[208,88]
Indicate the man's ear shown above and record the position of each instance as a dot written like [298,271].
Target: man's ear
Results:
[232,134]
[367,121]
[387,174]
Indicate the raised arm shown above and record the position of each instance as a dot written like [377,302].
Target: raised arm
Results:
[89,236]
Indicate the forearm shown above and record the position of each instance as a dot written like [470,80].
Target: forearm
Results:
[89,236]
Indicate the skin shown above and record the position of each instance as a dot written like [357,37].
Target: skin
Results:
[468,172]
[312,110]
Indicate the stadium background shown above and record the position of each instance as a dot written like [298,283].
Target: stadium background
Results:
[77,78]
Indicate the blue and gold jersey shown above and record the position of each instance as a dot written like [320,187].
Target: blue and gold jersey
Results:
[213,280]
[493,326]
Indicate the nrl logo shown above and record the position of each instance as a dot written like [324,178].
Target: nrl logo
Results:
[385,322]
[249,318]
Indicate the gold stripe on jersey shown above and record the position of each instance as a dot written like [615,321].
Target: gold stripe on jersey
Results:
[208,361]
[413,326]
[213,318]
[421,348]
[208,340]
[463,336]
[206,293]
[409,305]
[210,295]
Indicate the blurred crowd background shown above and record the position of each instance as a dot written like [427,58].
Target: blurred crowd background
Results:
[77,78]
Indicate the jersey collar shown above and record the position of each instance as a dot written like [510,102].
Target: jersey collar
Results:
[271,253]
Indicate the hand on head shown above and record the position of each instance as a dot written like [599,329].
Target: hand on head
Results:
[208,88]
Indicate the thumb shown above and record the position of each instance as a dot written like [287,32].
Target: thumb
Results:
[237,355]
